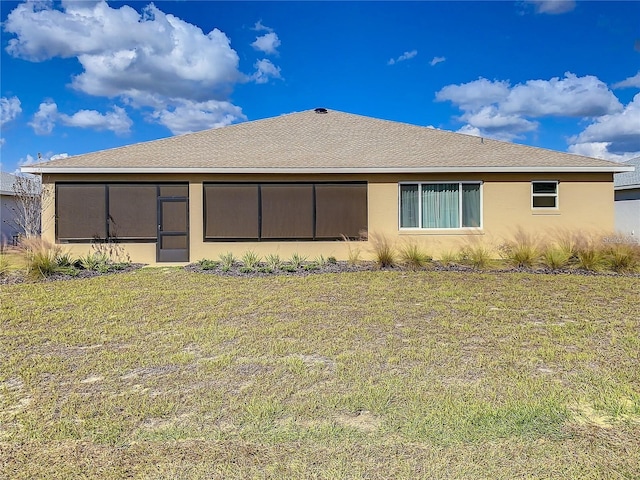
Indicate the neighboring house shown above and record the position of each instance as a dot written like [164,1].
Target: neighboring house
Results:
[13,192]
[9,231]
[299,183]
[627,200]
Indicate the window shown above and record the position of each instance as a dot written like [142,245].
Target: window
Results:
[81,211]
[341,209]
[287,211]
[123,211]
[544,194]
[231,211]
[284,211]
[133,211]
[440,205]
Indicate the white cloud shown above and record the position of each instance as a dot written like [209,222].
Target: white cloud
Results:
[552,7]
[41,157]
[469,130]
[259,27]
[265,70]
[499,110]
[403,57]
[495,124]
[116,121]
[9,109]
[437,60]
[150,60]
[476,94]
[570,96]
[267,43]
[614,137]
[192,116]
[631,82]
[45,118]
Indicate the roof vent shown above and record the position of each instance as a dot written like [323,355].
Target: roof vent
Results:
[321,110]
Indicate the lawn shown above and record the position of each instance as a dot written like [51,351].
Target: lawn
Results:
[163,373]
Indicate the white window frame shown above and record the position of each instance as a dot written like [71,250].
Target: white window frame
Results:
[555,195]
[423,229]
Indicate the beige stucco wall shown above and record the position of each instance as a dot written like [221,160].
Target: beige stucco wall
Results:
[585,204]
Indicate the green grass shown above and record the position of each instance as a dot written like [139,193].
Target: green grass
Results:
[161,373]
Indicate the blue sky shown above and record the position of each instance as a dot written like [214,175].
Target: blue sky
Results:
[83,76]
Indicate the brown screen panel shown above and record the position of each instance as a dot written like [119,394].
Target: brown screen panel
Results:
[133,211]
[231,211]
[174,242]
[341,209]
[81,212]
[287,211]
[174,216]
[174,190]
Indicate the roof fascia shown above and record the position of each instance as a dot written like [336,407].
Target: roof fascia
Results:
[328,170]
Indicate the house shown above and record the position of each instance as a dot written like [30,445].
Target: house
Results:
[300,183]
[627,200]
[19,207]
[9,231]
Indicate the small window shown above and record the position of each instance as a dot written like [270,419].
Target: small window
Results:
[544,194]
[440,205]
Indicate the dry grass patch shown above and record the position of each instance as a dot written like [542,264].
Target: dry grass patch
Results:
[374,374]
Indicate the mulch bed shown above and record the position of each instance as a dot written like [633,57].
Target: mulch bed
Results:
[12,278]
[238,270]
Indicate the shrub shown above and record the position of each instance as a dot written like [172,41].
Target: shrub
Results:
[332,260]
[297,260]
[354,251]
[383,252]
[40,256]
[65,260]
[522,251]
[273,261]
[227,260]
[556,257]
[111,249]
[208,264]
[622,257]
[568,243]
[477,255]
[97,261]
[250,259]
[413,257]
[320,261]
[590,258]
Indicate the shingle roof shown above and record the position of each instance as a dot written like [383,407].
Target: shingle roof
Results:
[6,183]
[8,180]
[628,179]
[323,142]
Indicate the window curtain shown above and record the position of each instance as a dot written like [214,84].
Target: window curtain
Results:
[409,206]
[470,205]
[440,205]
